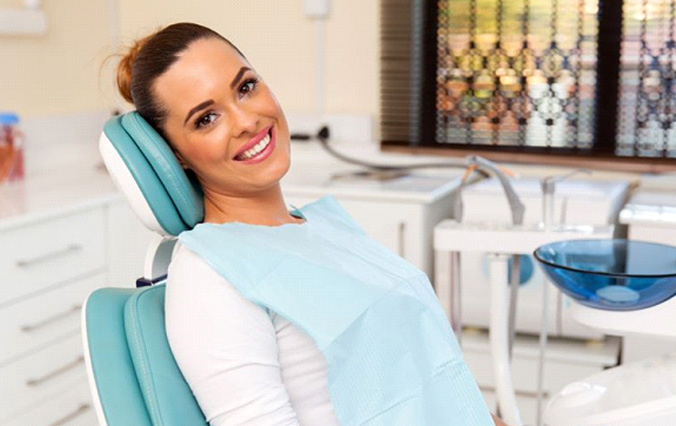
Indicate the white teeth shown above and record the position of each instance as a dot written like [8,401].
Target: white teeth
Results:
[260,146]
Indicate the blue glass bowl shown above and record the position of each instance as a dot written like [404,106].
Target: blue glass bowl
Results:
[616,275]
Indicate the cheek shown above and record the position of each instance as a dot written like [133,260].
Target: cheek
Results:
[207,150]
[270,103]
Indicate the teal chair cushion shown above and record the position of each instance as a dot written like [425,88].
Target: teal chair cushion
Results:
[168,399]
[111,364]
[136,377]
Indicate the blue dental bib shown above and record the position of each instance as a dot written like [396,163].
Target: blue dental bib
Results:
[391,354]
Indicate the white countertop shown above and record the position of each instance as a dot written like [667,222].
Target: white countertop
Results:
[52,194]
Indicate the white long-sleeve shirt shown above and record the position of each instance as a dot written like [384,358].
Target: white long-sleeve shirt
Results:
[245,365]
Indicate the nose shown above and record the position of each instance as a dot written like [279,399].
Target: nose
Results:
[244,120]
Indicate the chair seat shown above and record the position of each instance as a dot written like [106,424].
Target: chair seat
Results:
[136,378]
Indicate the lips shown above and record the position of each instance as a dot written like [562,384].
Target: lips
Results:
[260,135]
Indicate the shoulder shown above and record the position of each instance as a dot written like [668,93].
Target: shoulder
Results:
[186,263]
[192,285]
[189,273]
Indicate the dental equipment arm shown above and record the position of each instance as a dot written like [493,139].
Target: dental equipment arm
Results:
[548,185]
[503,318]
[515,205]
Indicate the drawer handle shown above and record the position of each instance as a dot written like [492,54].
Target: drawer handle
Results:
[46,321]
[59,371]
[26,263]
[83,408]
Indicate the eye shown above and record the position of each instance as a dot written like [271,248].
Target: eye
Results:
[248,86]
[205,120]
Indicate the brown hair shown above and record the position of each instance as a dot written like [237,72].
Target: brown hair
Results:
[149,58]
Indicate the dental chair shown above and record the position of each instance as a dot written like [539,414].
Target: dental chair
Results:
[133,376]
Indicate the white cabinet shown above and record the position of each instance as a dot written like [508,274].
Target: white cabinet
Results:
[47,268]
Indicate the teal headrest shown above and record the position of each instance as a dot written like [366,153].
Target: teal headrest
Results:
[146,170]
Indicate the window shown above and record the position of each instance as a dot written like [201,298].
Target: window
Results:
[571,79]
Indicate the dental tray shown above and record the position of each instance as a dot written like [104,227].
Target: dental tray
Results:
[616,275]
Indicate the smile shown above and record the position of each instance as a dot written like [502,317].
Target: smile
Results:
[259,151]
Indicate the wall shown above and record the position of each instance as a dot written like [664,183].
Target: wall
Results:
[280,43]
[60,72]
[57,73]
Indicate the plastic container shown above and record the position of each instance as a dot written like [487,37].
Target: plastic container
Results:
[11,149]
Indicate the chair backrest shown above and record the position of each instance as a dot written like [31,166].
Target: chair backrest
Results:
[133,375]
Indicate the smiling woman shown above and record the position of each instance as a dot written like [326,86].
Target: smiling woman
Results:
[278,317]
[205,98]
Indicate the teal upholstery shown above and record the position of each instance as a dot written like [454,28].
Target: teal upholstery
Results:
[114,375]
[135,373]
[175,200]
[135,379]
[168,398]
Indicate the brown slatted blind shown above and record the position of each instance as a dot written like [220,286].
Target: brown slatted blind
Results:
[396,114]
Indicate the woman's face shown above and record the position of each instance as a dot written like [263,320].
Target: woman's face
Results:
[223,121]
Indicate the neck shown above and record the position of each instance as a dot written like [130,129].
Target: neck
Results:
[264,208]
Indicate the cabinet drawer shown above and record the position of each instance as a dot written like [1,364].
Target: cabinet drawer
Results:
[45,253]
[38,320]
[72,407]
[31,379]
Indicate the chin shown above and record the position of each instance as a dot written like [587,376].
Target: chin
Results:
[281,163]
[278,172]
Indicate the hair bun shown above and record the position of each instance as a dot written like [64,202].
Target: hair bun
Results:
[124,68]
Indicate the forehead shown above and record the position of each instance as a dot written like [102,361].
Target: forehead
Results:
[206,67]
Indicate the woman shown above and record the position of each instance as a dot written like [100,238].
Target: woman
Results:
[245,363]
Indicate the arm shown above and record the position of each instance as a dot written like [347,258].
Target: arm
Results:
[225,346]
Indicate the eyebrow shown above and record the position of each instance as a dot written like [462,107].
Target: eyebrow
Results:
[205,104]
[238,77]
[197,108]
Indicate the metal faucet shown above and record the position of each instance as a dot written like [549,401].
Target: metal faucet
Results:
[548,185]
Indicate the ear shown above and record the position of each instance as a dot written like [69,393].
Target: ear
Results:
[180,159]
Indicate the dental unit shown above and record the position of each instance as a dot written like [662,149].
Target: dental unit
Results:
[466,236]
